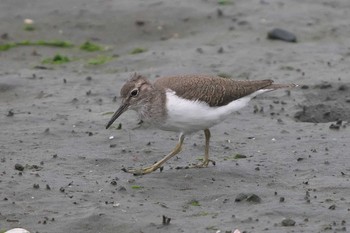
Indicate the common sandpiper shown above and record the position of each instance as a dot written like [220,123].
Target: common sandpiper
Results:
[187,104]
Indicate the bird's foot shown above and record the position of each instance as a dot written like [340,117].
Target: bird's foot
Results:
[203,164]
[141,171]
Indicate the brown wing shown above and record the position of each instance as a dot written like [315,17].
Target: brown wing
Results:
[216,91]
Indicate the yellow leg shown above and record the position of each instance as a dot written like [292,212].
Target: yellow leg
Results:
[206,160]
[149,169]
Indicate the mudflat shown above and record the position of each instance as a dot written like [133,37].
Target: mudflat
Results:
[282,163]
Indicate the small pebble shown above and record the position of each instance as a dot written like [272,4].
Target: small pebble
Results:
[254,198]
[288,222]
[19,167]
[280,34]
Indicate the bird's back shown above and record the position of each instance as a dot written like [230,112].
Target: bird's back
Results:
[213,90]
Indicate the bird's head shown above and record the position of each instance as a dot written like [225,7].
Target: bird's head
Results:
[133,95]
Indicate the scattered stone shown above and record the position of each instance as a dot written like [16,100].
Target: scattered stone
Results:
[253,198]
[199,50]
[343,87]
[282,199]
[241,197]
[19,167]
[113,182]
[5,36]
[324,85]
[332,207]
[10,113]
[280,34]
[36,186]
[337,125]
[140,22]
[48,187]
[304,87]
[88,78]
[240,156]
[219,13]
[221,50]
[288,222]
[166,220]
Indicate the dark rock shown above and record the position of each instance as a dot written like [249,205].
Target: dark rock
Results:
[140,22]
[114,182]
[334,126]
[166,220]
[10,113]
[199,50]
[343,87]
[241,197]
[19,167]
[254,198]
[288,222]
[219,13]
[280,34]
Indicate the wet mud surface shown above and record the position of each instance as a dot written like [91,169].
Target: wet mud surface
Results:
[280,164]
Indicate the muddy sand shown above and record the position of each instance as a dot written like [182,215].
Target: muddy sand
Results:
[60,170]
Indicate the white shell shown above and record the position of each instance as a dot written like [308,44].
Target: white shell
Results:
[17,230]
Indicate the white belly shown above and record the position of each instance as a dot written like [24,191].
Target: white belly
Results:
[189,116]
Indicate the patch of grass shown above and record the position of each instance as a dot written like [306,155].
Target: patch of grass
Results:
[54,43]
[138,50]
[201,214]
[57,59]
[194,203]
[224,2]
[240,156]
[224,75]
[204,214]
[99,60]
[107,113]
[212,228]
[91,47]
[29,27]
[50,43]
[137,187]
[5,47]
[234,157]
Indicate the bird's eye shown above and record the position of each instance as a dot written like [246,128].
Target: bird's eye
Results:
[134,93]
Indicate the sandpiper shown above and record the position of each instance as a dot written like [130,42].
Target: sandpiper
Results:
[187,104]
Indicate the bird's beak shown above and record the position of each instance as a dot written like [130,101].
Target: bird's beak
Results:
[119,112]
